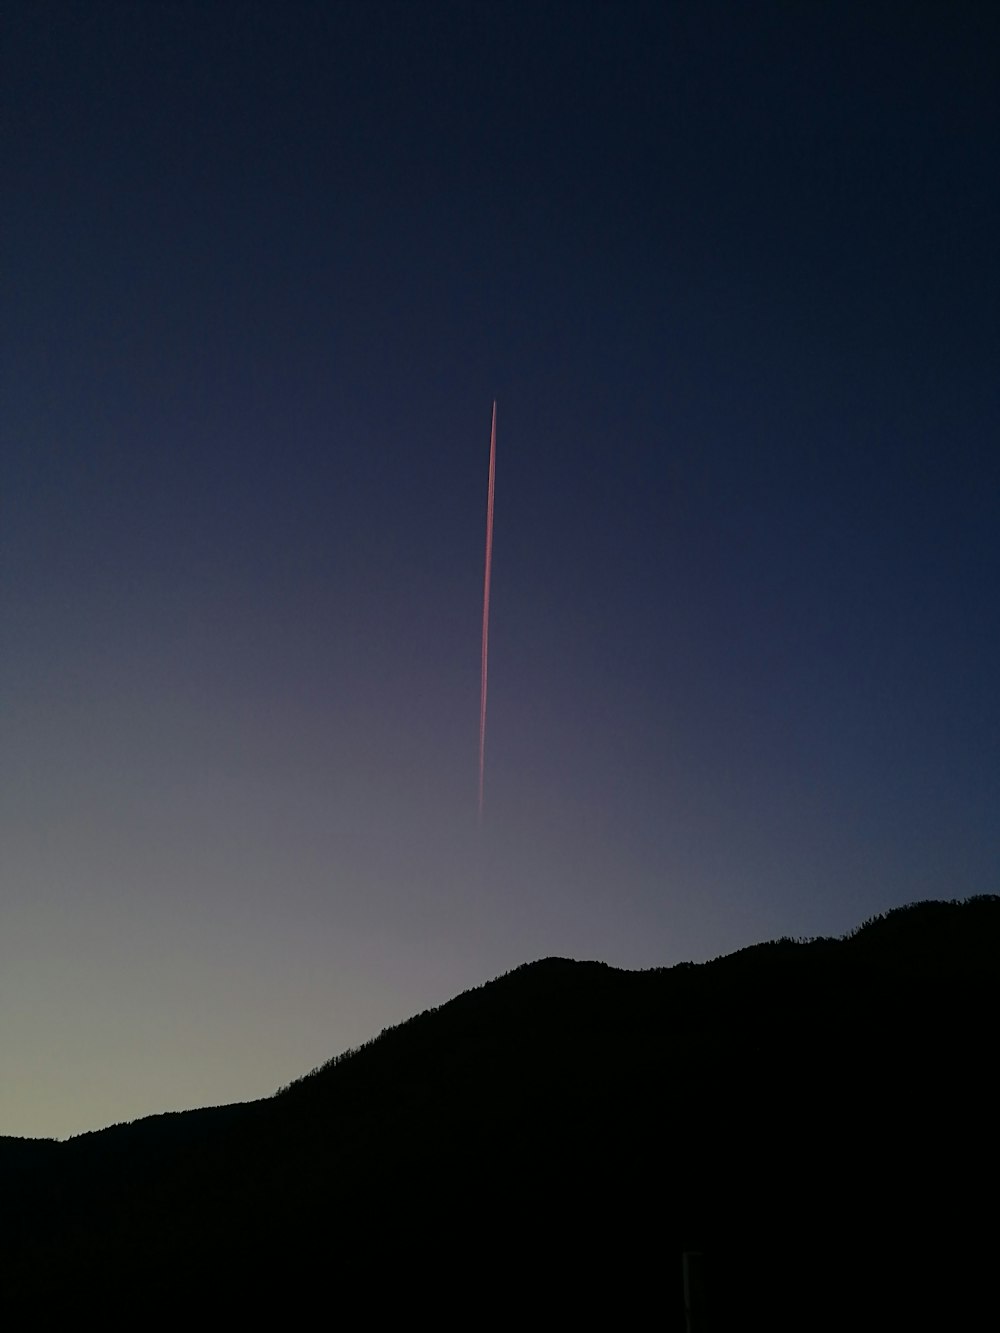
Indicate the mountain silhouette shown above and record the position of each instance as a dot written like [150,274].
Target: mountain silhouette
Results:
[815,1119]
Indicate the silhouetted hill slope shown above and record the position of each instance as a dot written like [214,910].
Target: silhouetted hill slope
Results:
[816,1116]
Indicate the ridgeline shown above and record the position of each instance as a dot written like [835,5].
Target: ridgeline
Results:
[815,1119]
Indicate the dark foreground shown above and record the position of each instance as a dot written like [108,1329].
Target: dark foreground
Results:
[816,1119]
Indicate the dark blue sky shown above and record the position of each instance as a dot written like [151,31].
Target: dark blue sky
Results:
[731,273]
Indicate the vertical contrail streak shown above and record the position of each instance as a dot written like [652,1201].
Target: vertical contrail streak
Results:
[486,608]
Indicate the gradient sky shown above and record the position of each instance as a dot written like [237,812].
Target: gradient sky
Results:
[731,272]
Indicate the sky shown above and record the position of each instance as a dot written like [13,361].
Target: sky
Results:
[730,273]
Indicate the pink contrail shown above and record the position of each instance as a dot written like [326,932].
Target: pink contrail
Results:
[486,608]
